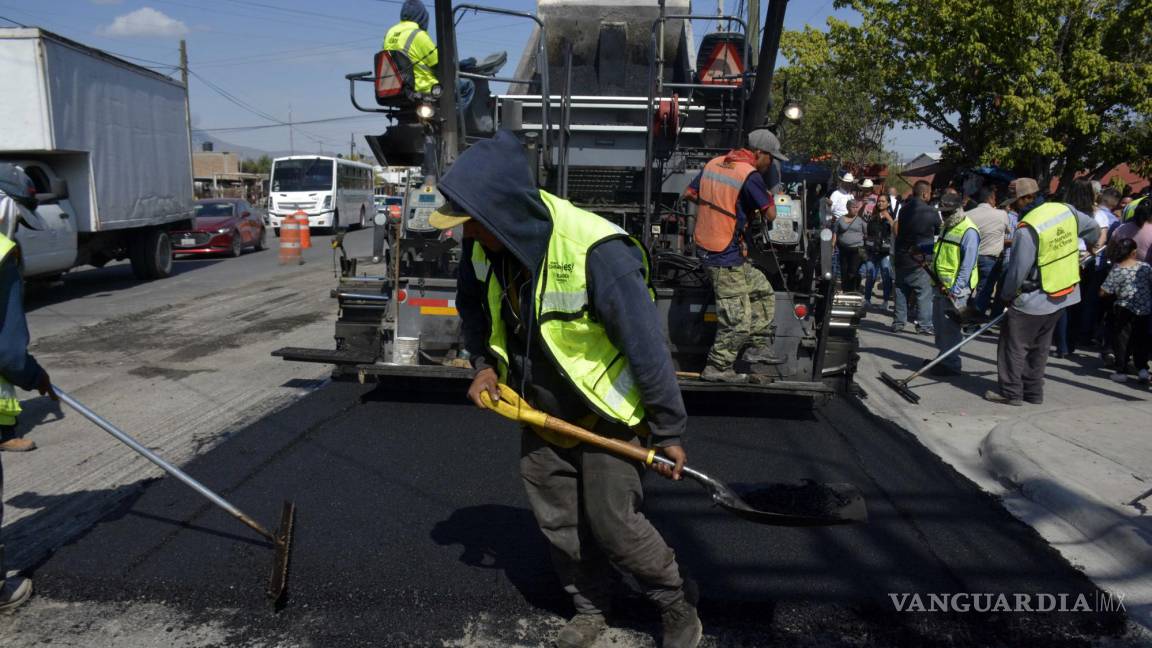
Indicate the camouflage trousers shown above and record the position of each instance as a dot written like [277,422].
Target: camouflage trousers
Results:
[745,312]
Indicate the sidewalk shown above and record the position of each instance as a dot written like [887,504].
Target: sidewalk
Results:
[1068,467]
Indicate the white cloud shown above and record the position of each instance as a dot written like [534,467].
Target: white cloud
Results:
[144,22]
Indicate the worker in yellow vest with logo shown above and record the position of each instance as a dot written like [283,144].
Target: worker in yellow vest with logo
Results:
[954,262]
[556,302]
[410,36]
[729,192]
[17,367]
[1042,278]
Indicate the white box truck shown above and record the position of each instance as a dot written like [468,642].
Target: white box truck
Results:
[107,144]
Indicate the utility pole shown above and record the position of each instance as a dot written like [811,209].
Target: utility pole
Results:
[187,112]
[291,139]
[753,35]
[351,146]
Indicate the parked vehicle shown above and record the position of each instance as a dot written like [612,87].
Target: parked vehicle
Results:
[333,192]
[223,226]
[106,143]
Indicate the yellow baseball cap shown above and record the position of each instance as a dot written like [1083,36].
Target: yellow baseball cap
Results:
[447,217]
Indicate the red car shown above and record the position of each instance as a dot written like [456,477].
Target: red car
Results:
[223,226]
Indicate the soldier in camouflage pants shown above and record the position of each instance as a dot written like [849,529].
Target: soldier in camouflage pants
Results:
[745,311]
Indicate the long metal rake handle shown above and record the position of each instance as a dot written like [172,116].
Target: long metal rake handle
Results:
[954,349]
[164,465]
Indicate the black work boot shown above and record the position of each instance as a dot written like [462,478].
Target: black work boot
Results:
[14,590]
[581,631]
[712,374]
[682,627]
[761,355]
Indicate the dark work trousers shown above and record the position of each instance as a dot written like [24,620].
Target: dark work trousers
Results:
[988,274]
[850,260]
[587,502]
[1022,353]
[1129,339]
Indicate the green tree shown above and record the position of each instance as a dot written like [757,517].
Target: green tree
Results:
[1049,87]
[844,117]
[263,165]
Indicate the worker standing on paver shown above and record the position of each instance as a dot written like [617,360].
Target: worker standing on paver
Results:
[555,301]
[954,263]
[17,367]
[728,190]
[410,36]
[1042,278]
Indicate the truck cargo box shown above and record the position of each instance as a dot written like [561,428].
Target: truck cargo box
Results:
[120,130]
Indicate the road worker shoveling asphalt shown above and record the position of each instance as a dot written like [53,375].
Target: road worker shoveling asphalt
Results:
[558,300]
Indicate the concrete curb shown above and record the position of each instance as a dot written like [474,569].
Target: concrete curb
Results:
[1104,524]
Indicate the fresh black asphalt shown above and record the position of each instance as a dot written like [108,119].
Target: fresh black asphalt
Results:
[412,524]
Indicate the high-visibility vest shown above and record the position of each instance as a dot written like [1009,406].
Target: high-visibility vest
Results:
[720,185]
[1057,250]
[946,254]
[9,405]
[406,36]
[1130,210]
[577,344]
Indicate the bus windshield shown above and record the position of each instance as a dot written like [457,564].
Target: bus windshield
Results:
[302,175]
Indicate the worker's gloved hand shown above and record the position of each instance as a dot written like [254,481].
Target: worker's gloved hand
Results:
[485,380]
[675,453]
[44,386]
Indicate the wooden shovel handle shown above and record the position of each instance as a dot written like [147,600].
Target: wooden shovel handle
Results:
[511,406]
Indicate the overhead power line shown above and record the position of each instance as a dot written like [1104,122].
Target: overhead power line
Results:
[326,120]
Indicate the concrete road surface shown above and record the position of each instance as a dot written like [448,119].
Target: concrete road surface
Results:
[412,526]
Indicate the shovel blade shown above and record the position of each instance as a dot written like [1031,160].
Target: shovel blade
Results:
[808,503]
[278,583]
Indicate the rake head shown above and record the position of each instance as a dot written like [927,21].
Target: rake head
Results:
[278,583]
[900,387]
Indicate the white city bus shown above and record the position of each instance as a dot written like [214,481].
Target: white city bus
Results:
[333,192]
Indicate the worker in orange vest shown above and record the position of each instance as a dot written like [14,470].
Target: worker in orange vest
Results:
[729,191]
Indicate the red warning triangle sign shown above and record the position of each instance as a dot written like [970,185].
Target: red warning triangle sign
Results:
[389,83]
[725,66]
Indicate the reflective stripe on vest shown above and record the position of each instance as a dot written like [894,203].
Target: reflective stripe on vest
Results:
[578,345]
[1057,250]
[9,404]
[720,185]
[946,254]
[1130,210]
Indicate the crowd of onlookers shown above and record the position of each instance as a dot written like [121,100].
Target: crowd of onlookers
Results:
[928,253]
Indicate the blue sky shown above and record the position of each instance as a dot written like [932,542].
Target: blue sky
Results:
[281,58]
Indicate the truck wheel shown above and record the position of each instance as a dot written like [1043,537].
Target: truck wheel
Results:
[151,255]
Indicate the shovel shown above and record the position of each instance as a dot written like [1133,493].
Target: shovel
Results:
[281,540]
[808,504]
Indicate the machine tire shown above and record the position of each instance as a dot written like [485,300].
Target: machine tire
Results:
[262,240]
[237,245]
[151,254]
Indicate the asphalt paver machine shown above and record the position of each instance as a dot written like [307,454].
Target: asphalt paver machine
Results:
[619,107]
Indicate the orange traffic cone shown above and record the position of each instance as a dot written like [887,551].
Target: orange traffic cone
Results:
[290,253]
[305,230]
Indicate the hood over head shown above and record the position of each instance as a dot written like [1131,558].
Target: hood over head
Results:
[414,10]
[492,182]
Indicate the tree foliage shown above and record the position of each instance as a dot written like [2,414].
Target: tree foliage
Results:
[1049,87]
[263,165]
[844,117]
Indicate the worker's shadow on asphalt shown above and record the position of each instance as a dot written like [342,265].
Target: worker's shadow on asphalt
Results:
[506,538]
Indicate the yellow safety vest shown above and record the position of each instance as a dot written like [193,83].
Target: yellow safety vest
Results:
[1130,210]
[577,344]
[406,36]
[9,405]
[946,254]
[1057,250]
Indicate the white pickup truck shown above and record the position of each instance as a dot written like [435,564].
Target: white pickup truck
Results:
[107,145]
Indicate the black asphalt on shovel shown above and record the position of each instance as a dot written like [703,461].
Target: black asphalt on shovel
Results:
[281,540]
[901,386]
[808,504]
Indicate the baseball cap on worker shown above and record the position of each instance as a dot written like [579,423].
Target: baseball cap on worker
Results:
[1020,187]
[765,140]
[950,202]
[447,216]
